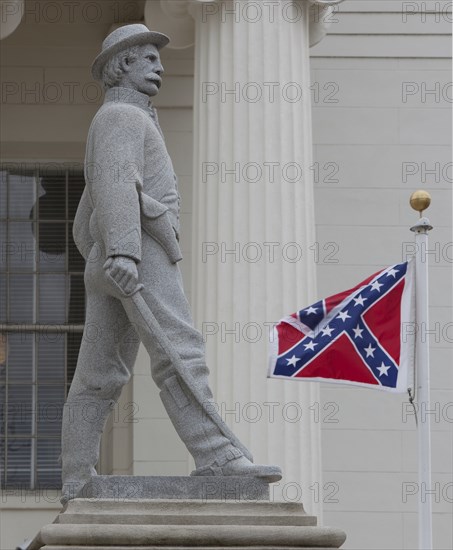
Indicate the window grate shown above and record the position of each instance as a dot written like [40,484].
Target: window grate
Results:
[42,310]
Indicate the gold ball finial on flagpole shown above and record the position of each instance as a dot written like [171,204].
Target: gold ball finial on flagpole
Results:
[420,200]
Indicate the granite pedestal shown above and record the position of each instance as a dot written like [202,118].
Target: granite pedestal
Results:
[180,513]
[238,488]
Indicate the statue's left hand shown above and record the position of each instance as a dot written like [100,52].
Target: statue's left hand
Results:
[122,271]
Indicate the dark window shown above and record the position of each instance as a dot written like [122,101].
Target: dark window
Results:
[42,310]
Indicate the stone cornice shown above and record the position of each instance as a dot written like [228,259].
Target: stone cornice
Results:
[174,17]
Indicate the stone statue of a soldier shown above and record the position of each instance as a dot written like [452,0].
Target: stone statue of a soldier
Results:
[127,227]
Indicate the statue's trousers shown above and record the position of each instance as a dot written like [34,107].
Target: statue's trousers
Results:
[140,314]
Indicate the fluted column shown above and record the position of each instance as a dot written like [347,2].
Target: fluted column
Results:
[253,117]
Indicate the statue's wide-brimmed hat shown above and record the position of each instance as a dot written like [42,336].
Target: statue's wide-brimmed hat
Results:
[123,38]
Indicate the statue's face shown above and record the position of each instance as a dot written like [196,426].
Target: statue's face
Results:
[144,74]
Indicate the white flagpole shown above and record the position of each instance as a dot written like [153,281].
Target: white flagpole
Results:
[420,200]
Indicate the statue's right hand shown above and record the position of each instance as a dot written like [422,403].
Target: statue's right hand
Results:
[122,271]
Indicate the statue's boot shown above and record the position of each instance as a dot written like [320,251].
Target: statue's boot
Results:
[83,424]
[214,454]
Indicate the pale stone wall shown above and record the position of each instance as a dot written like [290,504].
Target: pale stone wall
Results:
[382,137]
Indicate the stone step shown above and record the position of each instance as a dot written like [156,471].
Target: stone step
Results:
[189,512]
[228,512]
[80,536]
[238,488]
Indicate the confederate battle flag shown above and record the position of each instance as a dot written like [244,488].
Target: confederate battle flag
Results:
[363,336]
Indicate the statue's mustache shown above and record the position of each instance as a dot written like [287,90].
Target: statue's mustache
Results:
[153,77]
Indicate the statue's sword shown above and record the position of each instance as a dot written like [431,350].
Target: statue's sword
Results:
[140,313]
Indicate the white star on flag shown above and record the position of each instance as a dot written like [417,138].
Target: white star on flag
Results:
[358,332]
[376,286]
[359,301]
[383,369]
[310,310]
[310,346]
[343,315]
[327,331]
[392,272]
[293,360]
[369,351]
